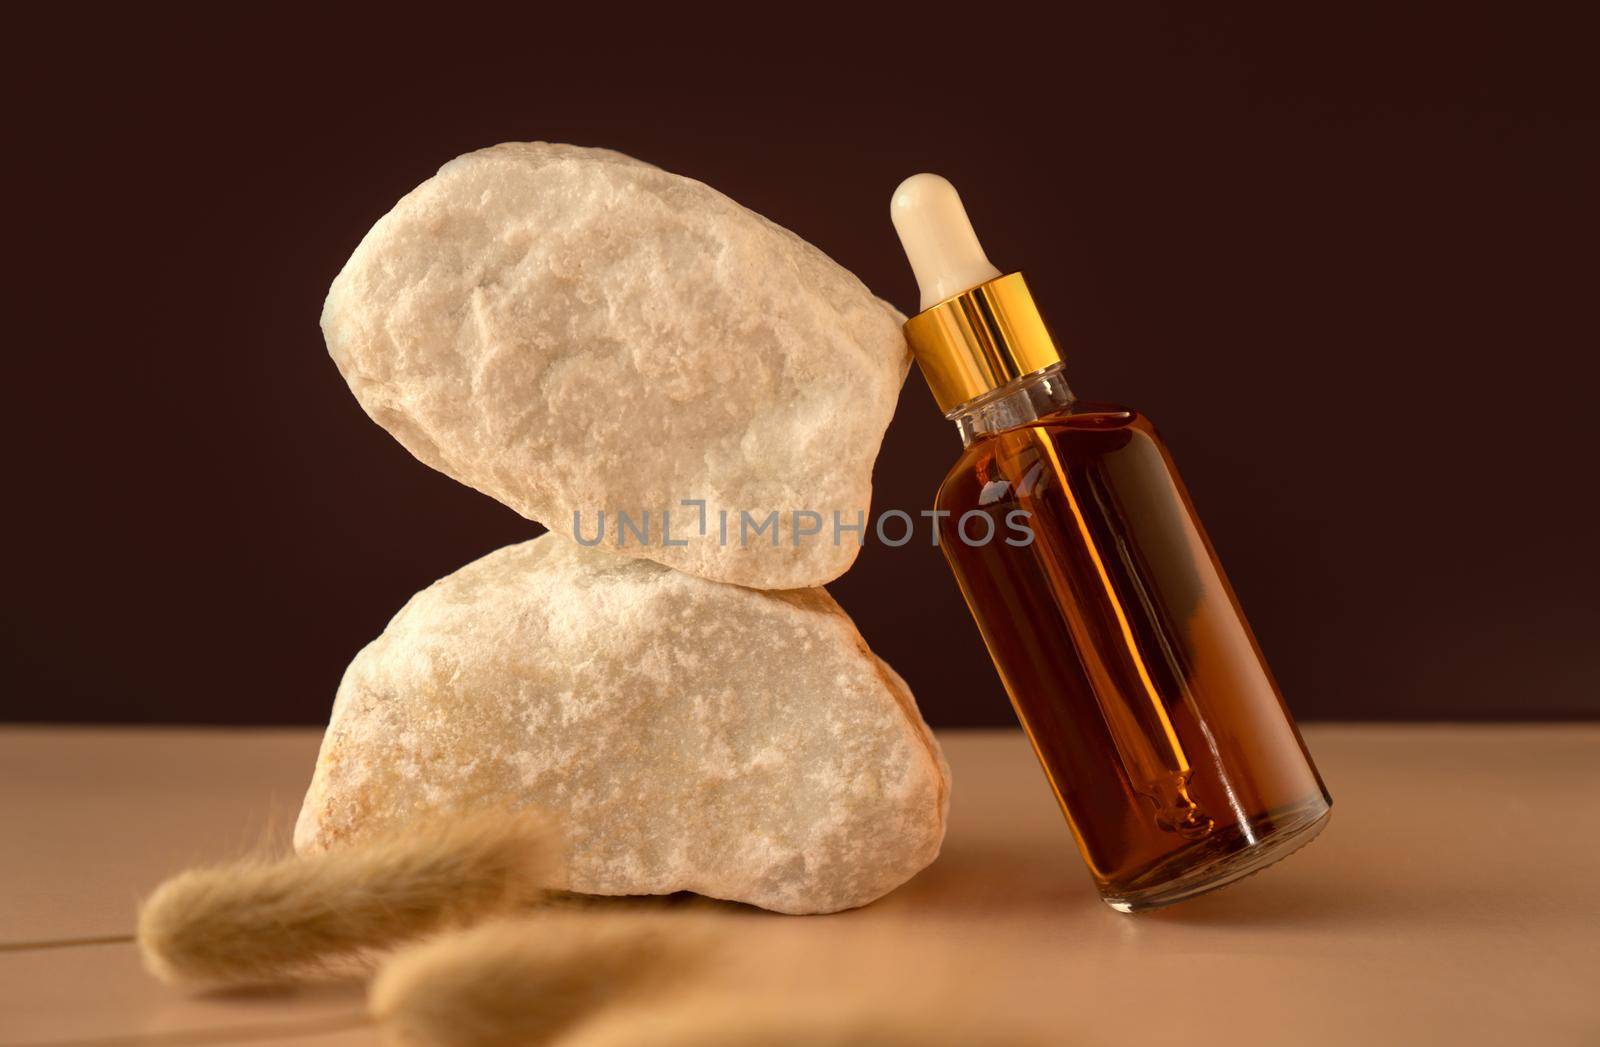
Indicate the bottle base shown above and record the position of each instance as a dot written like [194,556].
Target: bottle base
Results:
[1218,862]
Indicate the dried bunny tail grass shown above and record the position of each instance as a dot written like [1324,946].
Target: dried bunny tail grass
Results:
[526,981]
[261,921]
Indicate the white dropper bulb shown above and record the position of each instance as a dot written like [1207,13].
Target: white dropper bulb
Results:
[938,238]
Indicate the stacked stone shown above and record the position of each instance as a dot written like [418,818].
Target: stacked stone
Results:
[691,399]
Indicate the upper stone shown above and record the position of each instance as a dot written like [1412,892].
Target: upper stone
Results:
[575,333]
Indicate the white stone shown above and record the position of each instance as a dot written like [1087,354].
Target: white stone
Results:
[687,734]
[571,330]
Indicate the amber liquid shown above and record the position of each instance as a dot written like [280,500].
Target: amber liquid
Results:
[1126,656]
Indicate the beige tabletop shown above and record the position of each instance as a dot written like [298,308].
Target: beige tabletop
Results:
[1455,897]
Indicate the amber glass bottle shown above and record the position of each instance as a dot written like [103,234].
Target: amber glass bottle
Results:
[1102,603]
[1122,647]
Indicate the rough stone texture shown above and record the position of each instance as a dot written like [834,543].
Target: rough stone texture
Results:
[689,735]
[572,330]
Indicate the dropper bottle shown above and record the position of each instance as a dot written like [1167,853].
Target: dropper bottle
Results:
[1112,626]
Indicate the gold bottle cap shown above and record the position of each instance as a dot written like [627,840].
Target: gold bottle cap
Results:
[980,340]
[978,330]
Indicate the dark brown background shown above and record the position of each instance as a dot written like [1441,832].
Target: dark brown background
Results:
[1347,261]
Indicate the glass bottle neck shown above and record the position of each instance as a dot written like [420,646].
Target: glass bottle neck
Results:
[1017,403]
